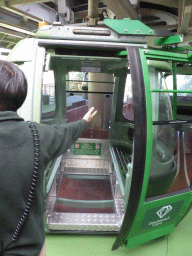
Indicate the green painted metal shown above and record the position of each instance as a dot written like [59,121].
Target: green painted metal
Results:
[148,225]
[129,27]
[173,91]
[128,242]
[51,173]
[85,203]
[87,149]
[87,177]
[189,55]
[180,49]
[165,55]
[168,40]
[140,239]
[148,141]
[149,123]
[163,65]
[122,53]
[180,202]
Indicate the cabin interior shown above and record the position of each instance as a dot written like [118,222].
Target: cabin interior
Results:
[87,188]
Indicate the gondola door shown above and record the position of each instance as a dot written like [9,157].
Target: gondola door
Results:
[155,203]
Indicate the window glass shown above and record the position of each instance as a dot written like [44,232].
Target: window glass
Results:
[171,148]
[184,99]
[184,82]
[128,110]
[86,90]
[48,105]
[161,104]
[171,159]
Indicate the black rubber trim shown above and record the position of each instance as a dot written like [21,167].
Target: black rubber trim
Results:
[140,132]
[90,92]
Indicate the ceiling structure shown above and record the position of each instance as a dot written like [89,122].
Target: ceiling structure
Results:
[20,18]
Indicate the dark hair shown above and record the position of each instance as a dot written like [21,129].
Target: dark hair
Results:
[13,86]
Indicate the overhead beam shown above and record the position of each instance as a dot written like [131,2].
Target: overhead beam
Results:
[11,32]
[17,20]
[169,3]
[122,9]
[21,13]
[15,30]
[37,12]
[40,11]
[18,2]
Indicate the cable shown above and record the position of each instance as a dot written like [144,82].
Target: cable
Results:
[31,194]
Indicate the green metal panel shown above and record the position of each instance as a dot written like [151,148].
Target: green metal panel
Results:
[87,149]
[149,125]
[177,91]
[149,225]
[165,55]
[50,173]
[157,216]
[137,240]
[129,27]
[174,88]
[168,40]
[160,65]
[85,203]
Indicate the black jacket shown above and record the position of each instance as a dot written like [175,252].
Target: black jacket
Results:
[16,168]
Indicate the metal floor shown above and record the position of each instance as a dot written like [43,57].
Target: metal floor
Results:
[179,243]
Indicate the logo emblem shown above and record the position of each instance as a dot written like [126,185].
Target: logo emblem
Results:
[164,210]
[97,146]
[76,145]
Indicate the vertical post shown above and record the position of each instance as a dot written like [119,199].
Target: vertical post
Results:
[60,92]
[174,88]
[92,12]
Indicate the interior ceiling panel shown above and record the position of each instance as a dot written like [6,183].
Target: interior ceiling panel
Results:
[18,18]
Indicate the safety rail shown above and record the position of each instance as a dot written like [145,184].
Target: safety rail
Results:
[121,156]
[174,91]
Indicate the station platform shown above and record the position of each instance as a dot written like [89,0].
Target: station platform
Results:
[178,243]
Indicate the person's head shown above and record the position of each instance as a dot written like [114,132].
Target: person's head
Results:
[13,86]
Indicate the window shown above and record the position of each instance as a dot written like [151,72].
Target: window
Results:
[48,95]
[86,90]
[128,111]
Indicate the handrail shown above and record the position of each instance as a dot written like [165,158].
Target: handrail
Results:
[185,161]
[90,92]
[99,82]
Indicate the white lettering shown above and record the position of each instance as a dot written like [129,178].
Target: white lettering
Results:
[158,222]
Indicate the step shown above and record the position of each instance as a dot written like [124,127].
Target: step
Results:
[97,222]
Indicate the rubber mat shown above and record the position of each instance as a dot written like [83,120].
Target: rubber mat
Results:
[84,189]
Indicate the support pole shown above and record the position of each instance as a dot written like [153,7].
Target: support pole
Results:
[92,12]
